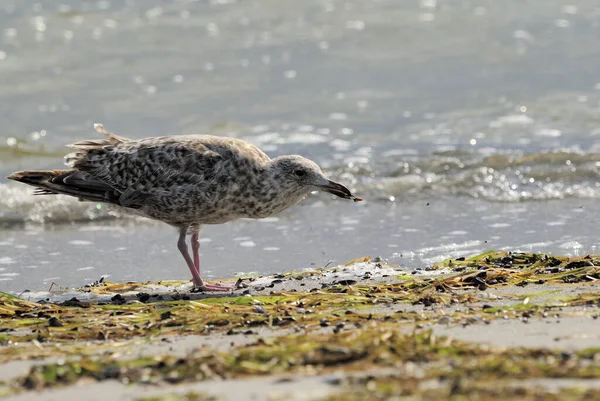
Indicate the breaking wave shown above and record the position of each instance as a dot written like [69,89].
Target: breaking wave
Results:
[18,205]
[533,177]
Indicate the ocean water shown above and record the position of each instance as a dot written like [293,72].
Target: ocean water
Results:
[465,126]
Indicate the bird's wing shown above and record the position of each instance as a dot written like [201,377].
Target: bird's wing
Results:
[136,169]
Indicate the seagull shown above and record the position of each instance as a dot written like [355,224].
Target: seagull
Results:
[186,181]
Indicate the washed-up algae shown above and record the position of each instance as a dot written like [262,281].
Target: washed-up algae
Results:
[394,388]
[190,396]
[370,348]
[147,315]
[505,268]
[349,325]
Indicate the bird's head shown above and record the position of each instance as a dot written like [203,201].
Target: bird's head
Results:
[300,175]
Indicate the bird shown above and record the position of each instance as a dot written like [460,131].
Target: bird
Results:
[186,181]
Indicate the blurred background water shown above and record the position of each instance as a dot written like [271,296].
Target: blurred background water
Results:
[466,126]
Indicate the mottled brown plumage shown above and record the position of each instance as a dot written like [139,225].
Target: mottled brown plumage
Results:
[186,181]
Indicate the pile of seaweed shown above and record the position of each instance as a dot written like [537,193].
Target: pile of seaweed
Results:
[348,325]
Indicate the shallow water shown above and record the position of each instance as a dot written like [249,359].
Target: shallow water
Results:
[460,122]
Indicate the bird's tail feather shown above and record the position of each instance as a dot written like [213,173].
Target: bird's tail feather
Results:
[67,182]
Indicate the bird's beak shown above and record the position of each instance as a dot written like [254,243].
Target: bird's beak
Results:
[338,190]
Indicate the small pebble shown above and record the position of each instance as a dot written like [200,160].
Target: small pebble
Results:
[118,299]
[338,327]
[54,322]
[143,297]
[240,284]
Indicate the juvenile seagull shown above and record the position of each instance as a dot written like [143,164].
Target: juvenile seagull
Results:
[186,181]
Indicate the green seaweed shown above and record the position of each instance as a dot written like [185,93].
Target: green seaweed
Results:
[393,388]
[370,348]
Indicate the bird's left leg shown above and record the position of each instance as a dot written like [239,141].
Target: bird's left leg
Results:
[195,240]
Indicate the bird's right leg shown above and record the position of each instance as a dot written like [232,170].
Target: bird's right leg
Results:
[195,240]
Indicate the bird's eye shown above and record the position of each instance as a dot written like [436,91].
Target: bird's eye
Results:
[300,173]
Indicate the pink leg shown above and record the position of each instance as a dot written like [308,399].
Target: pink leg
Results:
[194,265]
[196,250]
